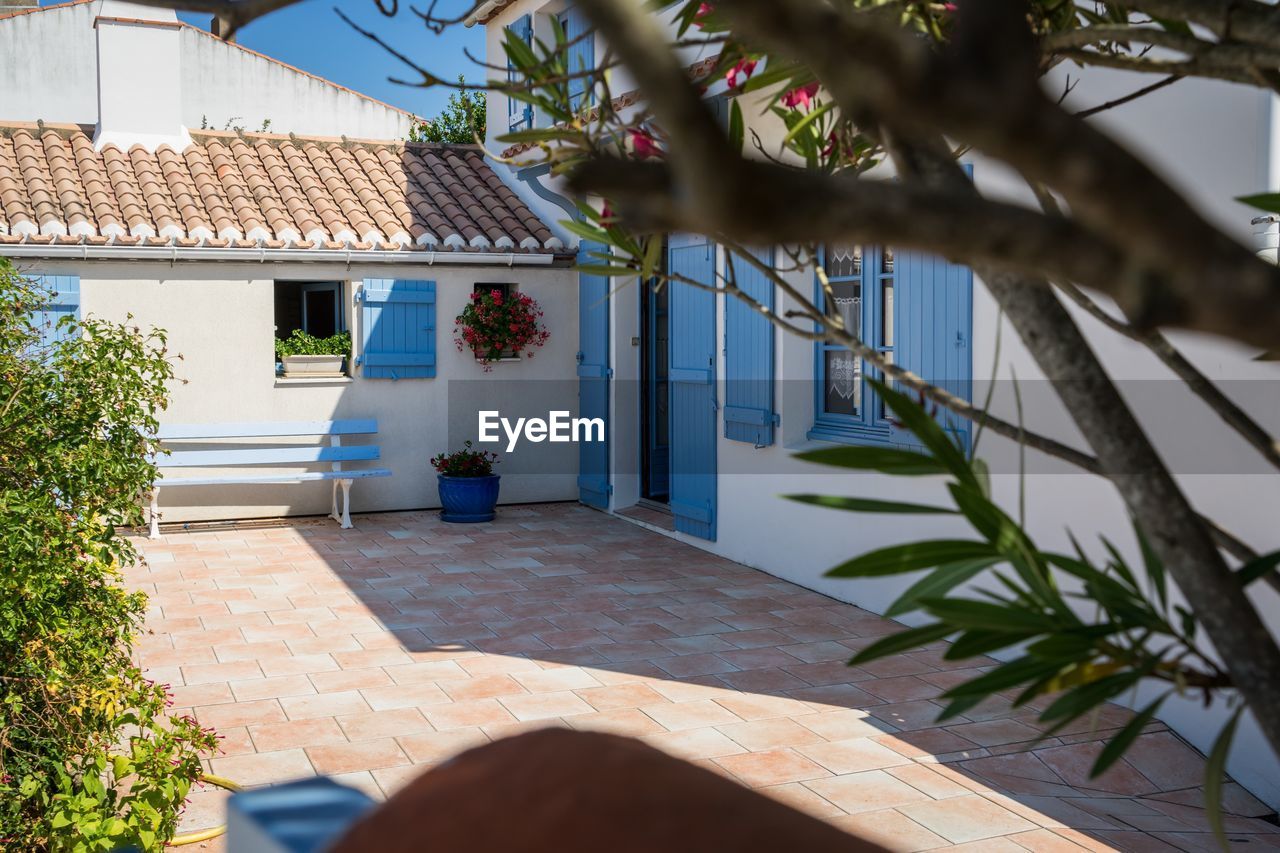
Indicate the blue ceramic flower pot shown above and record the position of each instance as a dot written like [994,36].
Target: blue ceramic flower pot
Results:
[466,500]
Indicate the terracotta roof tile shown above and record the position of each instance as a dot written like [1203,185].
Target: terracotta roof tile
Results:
[252,190]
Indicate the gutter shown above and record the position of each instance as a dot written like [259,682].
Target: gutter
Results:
[342,256]
[483,11]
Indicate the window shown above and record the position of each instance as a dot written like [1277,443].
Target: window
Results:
[862,293]
[519,113]
[580,55]
[315,307]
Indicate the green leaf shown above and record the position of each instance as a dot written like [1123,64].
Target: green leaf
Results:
[1090,695]
[1215,768]
[930,433]
[938,583]
[737,131]
[1269,202]
[886,460]
[1117,745]
[870,505]
[1003,677]
[990,616]
[911,557]
[978,642]
[1257,568]
[586,230]
[903,641]
[808,119]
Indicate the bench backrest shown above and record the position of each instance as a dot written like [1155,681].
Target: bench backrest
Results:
[288,455]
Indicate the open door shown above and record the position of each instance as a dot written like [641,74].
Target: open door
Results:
[692,378]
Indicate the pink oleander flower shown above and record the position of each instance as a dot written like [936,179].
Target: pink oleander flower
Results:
[705,10]
[743,69]
[644,145]
[800,97]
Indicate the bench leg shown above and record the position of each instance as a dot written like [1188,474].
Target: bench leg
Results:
[155,518]
[333,513]
[346,504]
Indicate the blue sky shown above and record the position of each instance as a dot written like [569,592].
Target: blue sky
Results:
[311,36]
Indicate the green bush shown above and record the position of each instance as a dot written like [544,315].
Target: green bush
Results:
[300,343]
[89,757]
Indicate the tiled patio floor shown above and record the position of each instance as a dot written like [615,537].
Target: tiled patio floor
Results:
[374,653]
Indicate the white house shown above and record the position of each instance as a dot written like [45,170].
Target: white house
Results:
[707,404]
[214,234]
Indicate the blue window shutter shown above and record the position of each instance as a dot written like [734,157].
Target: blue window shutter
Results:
[933,324]
[519,114]
[581,54]
[593,377]
[398,321]
[64,301]
[693,386]
[748,356]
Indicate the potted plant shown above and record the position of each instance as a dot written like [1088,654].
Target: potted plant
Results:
[468,486]
[495,326]
[305,355]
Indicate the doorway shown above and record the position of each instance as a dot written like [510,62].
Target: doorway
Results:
[655,389]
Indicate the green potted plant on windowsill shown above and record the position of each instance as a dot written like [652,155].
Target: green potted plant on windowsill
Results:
[306,356]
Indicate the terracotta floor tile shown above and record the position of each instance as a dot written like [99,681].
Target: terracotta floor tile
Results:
[753,706]
[695,664]
[1074,762]
[761,735]
[852,756]
[1167,761]
[628,722]
[800,798]
[1045,841]
[323,705]
[350,757]
[553,680]
[694,744]
[926,742]
[538,706]
[929,779]
[676,716]
[404,696]
[434,747]
[866,792]
[470,714]
[995,732]
[349,679]
[240,713]
[906,716]
[890,829]
[843,725]
[372,725]
[762,680]
[964,819]
[264,768]
[296,733]
[774,767]
[271,688]
[618,696]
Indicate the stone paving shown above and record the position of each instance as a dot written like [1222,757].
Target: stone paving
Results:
[372,654]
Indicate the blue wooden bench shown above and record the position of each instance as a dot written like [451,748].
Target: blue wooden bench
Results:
[234,455]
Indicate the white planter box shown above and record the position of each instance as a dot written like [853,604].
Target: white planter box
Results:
[312,366]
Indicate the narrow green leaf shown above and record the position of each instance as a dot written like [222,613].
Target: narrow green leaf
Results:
[652,256]
[808,119]
[886,460]
[977,642]
[1215,768]
[1269,202]
[903,641]
[930,433]
[1115,747]
[870,505]
[1003,677]
[1257,568]
[911,557]
[938,583]
[1090,695]
[989,616]
[737,128]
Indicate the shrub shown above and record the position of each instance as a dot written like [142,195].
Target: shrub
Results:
[494,326]
[465,462]
[89,757]
[301,343]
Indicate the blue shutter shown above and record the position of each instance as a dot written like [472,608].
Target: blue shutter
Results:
[398,321]
[64,301]
[748,356]
[519,114]
[692,382]
[933,324]
[581,53]
[593,378]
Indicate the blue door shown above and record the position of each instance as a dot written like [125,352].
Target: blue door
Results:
[749,414]
[693,391]
[593,378]
[657,391]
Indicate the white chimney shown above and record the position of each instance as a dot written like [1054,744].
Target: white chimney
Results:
[139,77]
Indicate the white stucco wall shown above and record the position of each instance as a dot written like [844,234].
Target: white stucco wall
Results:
[220,321]
[49,68]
